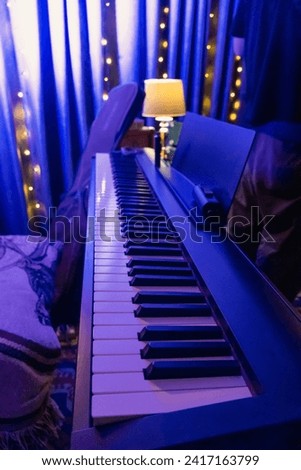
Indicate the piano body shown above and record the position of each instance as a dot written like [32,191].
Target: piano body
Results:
[226,373]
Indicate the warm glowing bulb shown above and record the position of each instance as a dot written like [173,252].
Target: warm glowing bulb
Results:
[27,152]
[165,75]
[233,117]
[37,205]
[37,169]
[20,94]
[239,69]
[106,79]
[206,75]
[161,59]
[166,10]
[232,94]
[109,61]
[108,4]
[19,112]
[208,47]
[105,96]
[211,15]
[237,58]
[104,42]
[236,104]
[30,188]
[165,44]
[162,25]
[238,82]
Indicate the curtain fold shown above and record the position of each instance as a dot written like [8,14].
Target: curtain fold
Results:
[224,62]
[13,205]
[55,56]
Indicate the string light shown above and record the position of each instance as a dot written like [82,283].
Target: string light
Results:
[235,104]
[23,124]
[30,171]
[109,48]
[210,57]
[163,39]
[37,169]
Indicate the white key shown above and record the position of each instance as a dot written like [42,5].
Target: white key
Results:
[108,408]
[118,386]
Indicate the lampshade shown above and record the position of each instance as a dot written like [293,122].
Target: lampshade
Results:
[164,97]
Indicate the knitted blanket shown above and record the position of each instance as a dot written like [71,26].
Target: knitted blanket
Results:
[29,348]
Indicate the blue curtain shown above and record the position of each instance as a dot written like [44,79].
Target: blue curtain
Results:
[53,78]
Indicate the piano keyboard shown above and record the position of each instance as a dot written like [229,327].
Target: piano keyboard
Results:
[156,345]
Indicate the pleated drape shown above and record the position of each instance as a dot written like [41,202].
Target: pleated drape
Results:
[52,52]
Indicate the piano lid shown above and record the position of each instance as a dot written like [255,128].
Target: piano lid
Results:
[213,154]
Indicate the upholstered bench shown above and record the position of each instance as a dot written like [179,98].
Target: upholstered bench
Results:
[29,348]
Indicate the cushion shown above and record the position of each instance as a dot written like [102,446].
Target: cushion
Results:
[29,347]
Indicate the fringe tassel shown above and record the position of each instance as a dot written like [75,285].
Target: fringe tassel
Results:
[39,435]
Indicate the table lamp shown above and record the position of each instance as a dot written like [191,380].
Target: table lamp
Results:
[164,100]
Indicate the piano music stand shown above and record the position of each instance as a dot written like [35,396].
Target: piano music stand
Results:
[213,154]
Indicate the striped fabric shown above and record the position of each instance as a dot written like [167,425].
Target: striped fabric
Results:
[29,348]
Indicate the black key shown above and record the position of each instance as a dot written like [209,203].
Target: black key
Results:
[159,270]
[173,310]
[162,280]
[131,189]
[124,178]
[153,261]
[152,251]
[146,214]
[160,222]
[173,349]
[137,205]
[154,234]
[191,369]
[136,200]
[167,297]
[149,243]
[137,211]
[179,332]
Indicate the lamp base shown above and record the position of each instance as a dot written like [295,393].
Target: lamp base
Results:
[157,141]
